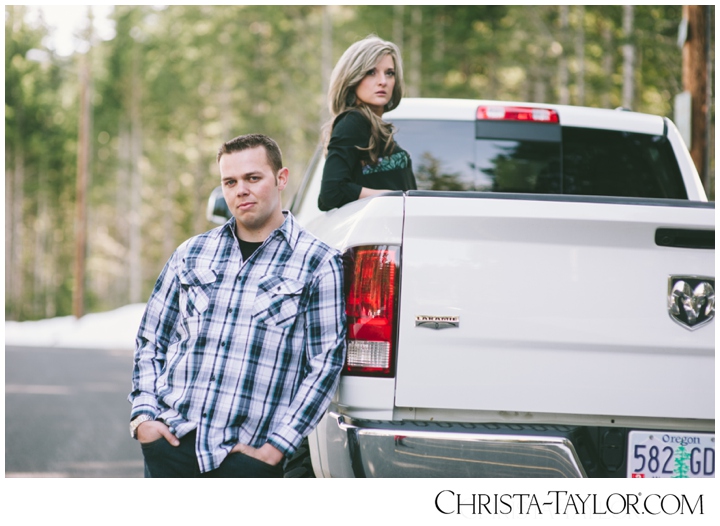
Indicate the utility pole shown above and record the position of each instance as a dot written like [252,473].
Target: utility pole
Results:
[695,81]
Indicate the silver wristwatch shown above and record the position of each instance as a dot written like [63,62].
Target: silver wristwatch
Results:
[135,422]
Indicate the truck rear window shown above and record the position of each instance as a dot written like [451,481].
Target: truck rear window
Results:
[540,159]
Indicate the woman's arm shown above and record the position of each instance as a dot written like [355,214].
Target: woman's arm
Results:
[369,192]
[338,186]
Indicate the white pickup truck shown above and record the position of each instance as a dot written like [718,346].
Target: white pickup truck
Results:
[542,306]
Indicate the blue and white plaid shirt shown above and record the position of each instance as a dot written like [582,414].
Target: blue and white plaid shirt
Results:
[243,351]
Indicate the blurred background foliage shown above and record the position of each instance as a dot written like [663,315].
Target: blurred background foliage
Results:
[177,81]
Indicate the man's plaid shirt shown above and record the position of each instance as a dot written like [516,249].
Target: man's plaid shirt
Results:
[243,351]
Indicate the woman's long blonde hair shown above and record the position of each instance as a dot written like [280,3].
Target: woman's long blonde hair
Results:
[352,67]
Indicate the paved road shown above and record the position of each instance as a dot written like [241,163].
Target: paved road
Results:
[66,414]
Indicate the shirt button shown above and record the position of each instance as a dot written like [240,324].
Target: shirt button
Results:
[212,378]
[204,415]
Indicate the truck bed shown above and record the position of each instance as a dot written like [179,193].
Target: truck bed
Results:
[562,307]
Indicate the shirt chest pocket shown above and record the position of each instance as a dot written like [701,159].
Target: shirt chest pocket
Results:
[196,285]
[277,301]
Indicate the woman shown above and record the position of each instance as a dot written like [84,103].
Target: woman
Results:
[363,159]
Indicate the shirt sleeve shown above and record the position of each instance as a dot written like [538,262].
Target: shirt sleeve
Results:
[156,329]
[325,352]
[338,186]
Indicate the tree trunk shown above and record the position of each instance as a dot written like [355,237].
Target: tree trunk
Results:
[122,207]
[398,27]
[563,77]
[607,63]
[17,289]
[169,203]
[42,269]
[83,158]
[694,74]
[226,88]
[199,220]
[327,60]
[438,55]
[580,55]
[8,234]
[135,247]
[628,58]
[415,62]
[539,92]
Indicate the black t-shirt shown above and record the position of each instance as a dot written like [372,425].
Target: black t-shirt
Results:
[248,247]
[348,169]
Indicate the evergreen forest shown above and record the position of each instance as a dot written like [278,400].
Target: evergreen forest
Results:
[143,113]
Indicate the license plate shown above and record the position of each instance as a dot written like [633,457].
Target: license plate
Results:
[658,454]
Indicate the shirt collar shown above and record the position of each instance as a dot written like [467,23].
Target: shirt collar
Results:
[289,230]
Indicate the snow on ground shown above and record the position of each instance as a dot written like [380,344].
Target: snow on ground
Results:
[114,330]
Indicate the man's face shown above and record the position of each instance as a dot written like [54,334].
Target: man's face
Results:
[252,192]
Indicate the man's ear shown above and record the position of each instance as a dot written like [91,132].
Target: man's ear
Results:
[282,178]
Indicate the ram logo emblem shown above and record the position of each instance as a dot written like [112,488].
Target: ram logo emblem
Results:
[691,300]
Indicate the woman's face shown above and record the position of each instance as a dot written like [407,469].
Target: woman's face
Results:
[376,88]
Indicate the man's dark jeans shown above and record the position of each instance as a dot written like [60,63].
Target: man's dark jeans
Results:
[165,461]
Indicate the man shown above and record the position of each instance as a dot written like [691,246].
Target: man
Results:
[242,341]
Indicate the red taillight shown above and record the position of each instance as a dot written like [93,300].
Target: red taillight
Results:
[371,308]
[516,113]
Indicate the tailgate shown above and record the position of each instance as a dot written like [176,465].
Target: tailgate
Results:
[562,307]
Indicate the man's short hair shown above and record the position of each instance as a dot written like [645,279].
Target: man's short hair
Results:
[253,140]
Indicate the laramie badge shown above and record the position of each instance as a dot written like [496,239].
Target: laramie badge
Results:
[437,322]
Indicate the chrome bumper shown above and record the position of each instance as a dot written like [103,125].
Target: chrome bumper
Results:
[438,449]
